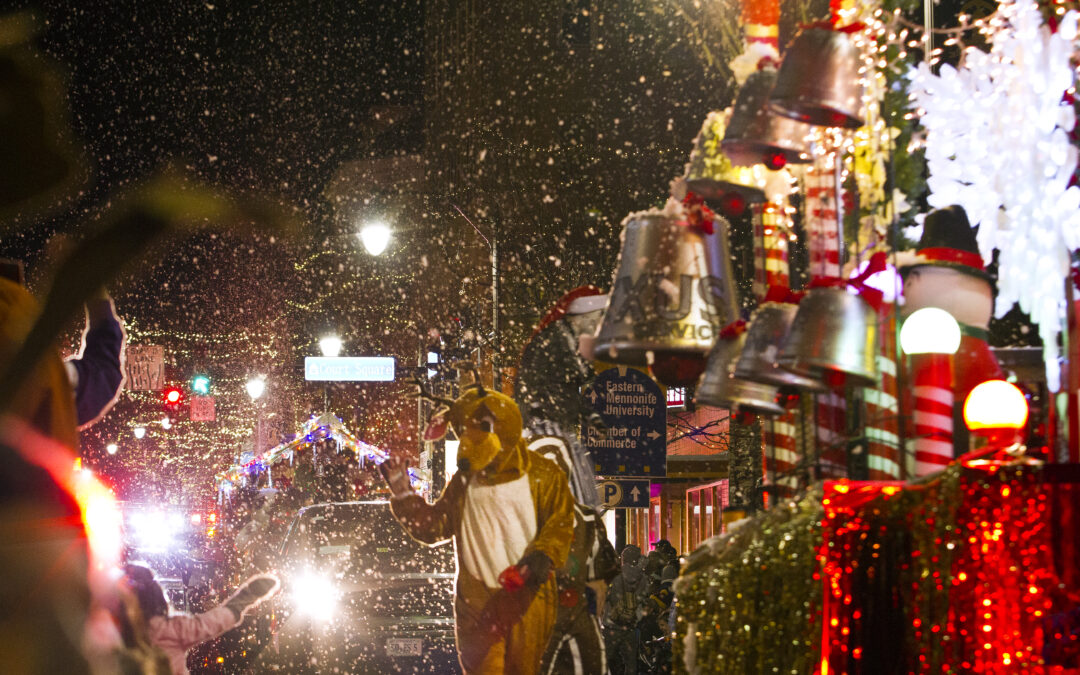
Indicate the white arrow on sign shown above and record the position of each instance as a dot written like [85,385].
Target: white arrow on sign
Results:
[635,493]
[653,435]
[592,396]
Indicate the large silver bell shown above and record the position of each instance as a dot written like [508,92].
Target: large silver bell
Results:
[673,291]
[720,388]
[819,80]
[833,338]
[757,135]
[764,339]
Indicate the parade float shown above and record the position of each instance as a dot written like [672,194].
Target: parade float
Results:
[901,508]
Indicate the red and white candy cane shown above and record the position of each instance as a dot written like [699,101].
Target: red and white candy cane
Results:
[821,223]
[882,409]
[932,420]
[780,441]
[770,248]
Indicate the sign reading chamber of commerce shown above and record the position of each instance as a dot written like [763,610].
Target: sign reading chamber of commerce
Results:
[145,366]
[634,408]
[349,368]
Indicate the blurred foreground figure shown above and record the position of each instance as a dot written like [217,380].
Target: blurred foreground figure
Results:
[511,516]
[44,596]
[174,635]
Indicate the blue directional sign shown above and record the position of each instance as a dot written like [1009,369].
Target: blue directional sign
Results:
[623,493]
[634,408]
[349,368]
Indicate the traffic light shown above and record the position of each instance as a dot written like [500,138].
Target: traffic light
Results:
[172,397]
[200,384]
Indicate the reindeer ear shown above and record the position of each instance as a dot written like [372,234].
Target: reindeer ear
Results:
[436,426]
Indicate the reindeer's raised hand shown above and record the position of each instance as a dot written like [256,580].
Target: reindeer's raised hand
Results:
[395,471]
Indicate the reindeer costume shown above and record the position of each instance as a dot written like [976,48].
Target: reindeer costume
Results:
[511,516]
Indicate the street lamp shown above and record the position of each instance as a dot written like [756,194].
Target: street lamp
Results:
[139,432]
[931,336]
[997,411]
[375,237]
[111,448]
[256,387]
[330,345]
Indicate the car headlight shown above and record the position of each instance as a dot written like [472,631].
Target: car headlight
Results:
[150,532]
[315,596]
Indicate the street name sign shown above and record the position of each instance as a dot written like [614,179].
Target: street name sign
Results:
[634,409]
[623,493]
[349,368]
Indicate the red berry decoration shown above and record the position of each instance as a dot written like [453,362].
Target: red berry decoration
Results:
[775,160]
[733,204]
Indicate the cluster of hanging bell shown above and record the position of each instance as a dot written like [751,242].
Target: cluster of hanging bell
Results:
[674,304]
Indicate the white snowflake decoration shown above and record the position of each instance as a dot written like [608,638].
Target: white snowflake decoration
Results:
[997,144]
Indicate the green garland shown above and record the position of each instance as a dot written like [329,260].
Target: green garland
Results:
[749,601]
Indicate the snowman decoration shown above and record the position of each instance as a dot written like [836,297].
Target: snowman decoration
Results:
[947,272]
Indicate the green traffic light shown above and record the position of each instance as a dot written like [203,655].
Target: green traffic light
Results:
[200,384]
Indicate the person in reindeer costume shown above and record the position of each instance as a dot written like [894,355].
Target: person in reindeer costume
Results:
[510,514]
[947,272]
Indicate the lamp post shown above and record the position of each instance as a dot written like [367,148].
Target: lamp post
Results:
[493,248]
[997,411]
[329,345]
[376,237]
[931,336]
[256,387]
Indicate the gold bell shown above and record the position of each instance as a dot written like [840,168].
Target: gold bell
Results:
[764,339]
[673,291]
[719,387]
[819,81]
[757,135]
[833,338]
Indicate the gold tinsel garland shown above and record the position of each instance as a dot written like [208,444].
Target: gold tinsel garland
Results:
[748,601]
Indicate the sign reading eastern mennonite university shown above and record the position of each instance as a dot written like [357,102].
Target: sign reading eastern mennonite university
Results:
[634,410]
[349,368]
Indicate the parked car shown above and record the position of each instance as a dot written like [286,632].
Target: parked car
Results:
[360,596]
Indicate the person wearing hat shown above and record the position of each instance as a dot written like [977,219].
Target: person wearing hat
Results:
[947,272]
[629,591]
[550,378]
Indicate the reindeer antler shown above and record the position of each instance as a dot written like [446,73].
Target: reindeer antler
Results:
[425,393]
[471,368]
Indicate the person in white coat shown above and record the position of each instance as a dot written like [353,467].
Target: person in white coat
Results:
[176,634]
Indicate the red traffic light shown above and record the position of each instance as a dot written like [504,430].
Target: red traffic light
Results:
[173,396]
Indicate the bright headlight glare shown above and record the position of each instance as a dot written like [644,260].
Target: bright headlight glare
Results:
[150,532]
[315,596]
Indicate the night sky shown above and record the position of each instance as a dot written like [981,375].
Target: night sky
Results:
[271,97]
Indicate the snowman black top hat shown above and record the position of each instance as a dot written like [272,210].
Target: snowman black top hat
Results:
[948,240]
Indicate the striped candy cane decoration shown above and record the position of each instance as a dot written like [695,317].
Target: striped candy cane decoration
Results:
[882,410]
[822,229]
[761,19]
[823,242]
[932,419]
[780,438]
[831,420]
[770,248]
